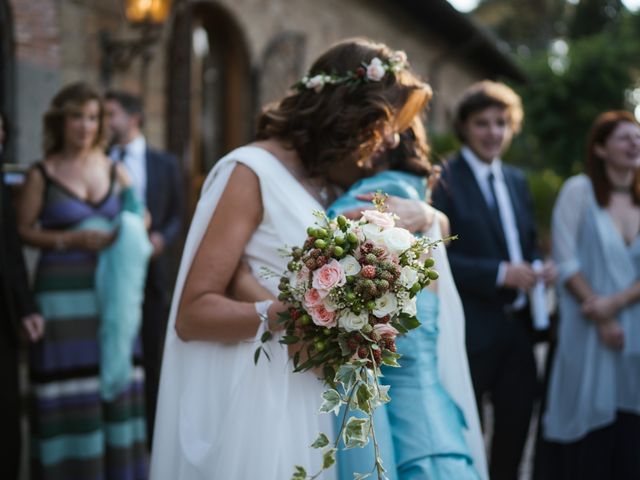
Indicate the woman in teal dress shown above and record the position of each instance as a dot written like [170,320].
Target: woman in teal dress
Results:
[421,431]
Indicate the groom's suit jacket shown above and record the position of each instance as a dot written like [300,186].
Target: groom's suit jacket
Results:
[476,255]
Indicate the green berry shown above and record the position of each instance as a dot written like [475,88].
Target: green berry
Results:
[433,275]
[429,262]
[320,243]
[352,237]
[319,345]
[305,319]
[415,288]
[321,233]
[311,231]
[350,297]
[371,305]
[339,239]
[338,251]
[342,221]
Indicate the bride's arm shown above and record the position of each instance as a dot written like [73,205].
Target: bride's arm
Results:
[205,312]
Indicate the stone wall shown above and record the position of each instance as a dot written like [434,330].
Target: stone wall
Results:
[58,42]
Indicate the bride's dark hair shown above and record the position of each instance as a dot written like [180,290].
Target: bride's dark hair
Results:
[343,122]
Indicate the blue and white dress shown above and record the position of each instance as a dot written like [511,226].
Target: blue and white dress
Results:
[422,432]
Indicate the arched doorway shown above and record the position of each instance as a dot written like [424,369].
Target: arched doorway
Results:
[210,90]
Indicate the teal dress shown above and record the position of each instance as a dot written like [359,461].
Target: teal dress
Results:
[420,432]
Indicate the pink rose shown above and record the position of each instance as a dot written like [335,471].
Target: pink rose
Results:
[384,330]
[327,277]
[312,298]
[381,219]
[322,317]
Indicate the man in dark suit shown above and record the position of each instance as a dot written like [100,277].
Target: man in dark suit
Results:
[17,312]
[490,208]
[157,180]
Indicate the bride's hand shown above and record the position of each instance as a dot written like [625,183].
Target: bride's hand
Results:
[272,313]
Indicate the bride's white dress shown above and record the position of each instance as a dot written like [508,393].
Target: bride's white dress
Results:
[220,416]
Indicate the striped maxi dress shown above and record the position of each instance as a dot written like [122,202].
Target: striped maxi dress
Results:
[74,433]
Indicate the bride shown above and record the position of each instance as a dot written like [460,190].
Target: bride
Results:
[219,415]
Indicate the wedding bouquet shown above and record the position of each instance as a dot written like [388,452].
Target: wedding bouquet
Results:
[352,288]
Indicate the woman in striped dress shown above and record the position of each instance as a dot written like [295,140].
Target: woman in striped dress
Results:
[76,433]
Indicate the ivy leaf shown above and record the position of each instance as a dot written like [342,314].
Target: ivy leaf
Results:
[344,348]
[381,396]
[289,340]
[390,358]
[296,359]
[356,432]
[332,402]
[398,326]
[321,441]
[328,458]
[364,393]
[299,474]
[348,375]
[408,321]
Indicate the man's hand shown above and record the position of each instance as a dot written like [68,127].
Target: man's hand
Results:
[519,276]
[549,272]
[157,241]
[33,326]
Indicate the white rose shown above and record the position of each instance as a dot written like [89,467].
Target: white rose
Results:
[386,305]
[375,70]
[350,265]
[397,240]
[408,276]
[398,60]
[373,233]
[352,322]
[316,83]
[410,307]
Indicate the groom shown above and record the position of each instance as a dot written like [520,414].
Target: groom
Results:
[490,209]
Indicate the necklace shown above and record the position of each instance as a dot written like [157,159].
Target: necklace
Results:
[621,188]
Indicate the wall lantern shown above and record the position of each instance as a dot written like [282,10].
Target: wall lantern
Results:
[146,16]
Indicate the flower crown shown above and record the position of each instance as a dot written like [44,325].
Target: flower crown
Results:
[371,72]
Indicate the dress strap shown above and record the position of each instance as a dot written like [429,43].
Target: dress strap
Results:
[39,165]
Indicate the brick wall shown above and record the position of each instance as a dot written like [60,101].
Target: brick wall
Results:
[37,33]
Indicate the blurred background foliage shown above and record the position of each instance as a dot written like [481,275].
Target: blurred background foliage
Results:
[581,58]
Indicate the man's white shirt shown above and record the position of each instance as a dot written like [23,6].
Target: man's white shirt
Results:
[481,171]
[135,160]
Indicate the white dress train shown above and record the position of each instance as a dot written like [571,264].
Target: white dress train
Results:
[453,364]
[219,416]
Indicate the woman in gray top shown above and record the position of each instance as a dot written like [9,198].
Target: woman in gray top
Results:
[593,407]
